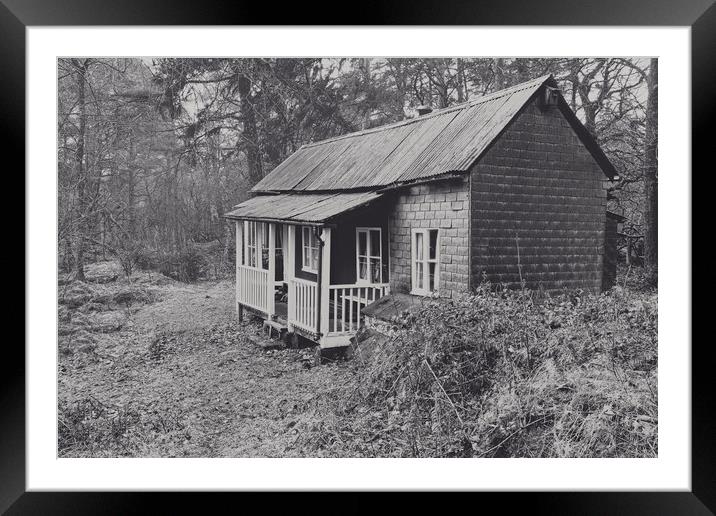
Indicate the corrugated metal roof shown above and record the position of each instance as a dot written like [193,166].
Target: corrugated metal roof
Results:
[445,141]
[304,208]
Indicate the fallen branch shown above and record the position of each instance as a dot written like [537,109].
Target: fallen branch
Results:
[512,435]
[445,393]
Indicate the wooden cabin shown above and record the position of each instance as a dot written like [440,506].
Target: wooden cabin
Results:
[509,187]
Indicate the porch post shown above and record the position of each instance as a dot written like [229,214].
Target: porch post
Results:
[284,250]
[290,258]
[271,295]
[239,261]
[325,281]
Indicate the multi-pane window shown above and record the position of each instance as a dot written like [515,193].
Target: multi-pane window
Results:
[253,231]
[257,246]
[369,255]
[426,257]
[264,246]
[310,250]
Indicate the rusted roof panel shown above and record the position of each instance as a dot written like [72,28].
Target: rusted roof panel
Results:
[446,141]
[303,207]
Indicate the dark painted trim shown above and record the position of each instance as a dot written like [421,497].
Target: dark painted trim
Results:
[587,139]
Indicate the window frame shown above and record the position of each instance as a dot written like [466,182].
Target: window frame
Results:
[254,231]
[312,267]
[369,255]
[426,261]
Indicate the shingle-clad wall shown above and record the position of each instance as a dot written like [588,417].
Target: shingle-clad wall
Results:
[538,207]
[443,205]
[610,254]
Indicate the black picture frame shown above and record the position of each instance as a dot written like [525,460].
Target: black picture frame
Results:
[700,15]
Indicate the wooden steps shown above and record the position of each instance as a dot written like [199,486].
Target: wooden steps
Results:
[270,326]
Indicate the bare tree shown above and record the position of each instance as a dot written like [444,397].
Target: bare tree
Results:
[650,172]
[82,180]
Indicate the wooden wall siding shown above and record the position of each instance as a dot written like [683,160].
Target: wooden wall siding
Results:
[443,205]
[343,244]
[538,182]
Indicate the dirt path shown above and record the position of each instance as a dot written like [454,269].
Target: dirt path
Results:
[183,378]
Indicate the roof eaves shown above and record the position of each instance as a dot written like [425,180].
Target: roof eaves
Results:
[443,176]
[587,139]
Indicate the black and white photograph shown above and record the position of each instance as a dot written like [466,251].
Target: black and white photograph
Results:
[357,257]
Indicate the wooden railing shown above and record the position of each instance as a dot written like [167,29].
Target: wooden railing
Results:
[346,303]
[254,289]
[303,304]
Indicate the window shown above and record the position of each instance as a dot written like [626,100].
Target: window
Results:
[256,245]
[425,257]
[279,253]
[310,250]
[264,246]
[252,230]
[369,255]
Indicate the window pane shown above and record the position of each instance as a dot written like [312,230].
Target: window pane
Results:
[418,246]
[419,274]
[375,270]
[264,235]
[362,268]
[431,277]
[362,243]
[375,242]
[433,243]
[314,261]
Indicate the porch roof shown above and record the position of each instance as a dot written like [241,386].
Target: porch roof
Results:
[304,208]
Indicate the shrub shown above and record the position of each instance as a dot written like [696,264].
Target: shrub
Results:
[498,373]
[187,265]
[146,259]
[215,259]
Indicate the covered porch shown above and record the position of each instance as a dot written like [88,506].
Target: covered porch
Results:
[302,262]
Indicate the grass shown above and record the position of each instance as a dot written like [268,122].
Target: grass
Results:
[178,378]
[504,374]
[151,367]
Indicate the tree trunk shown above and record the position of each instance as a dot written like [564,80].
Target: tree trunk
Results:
[250,134]
[367,85]
[131,187]
[499,66]
[651,257]
[82,204]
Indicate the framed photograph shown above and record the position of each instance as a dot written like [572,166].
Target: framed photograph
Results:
[396,257]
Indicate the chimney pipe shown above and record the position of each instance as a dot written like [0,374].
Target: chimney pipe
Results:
[424,110]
